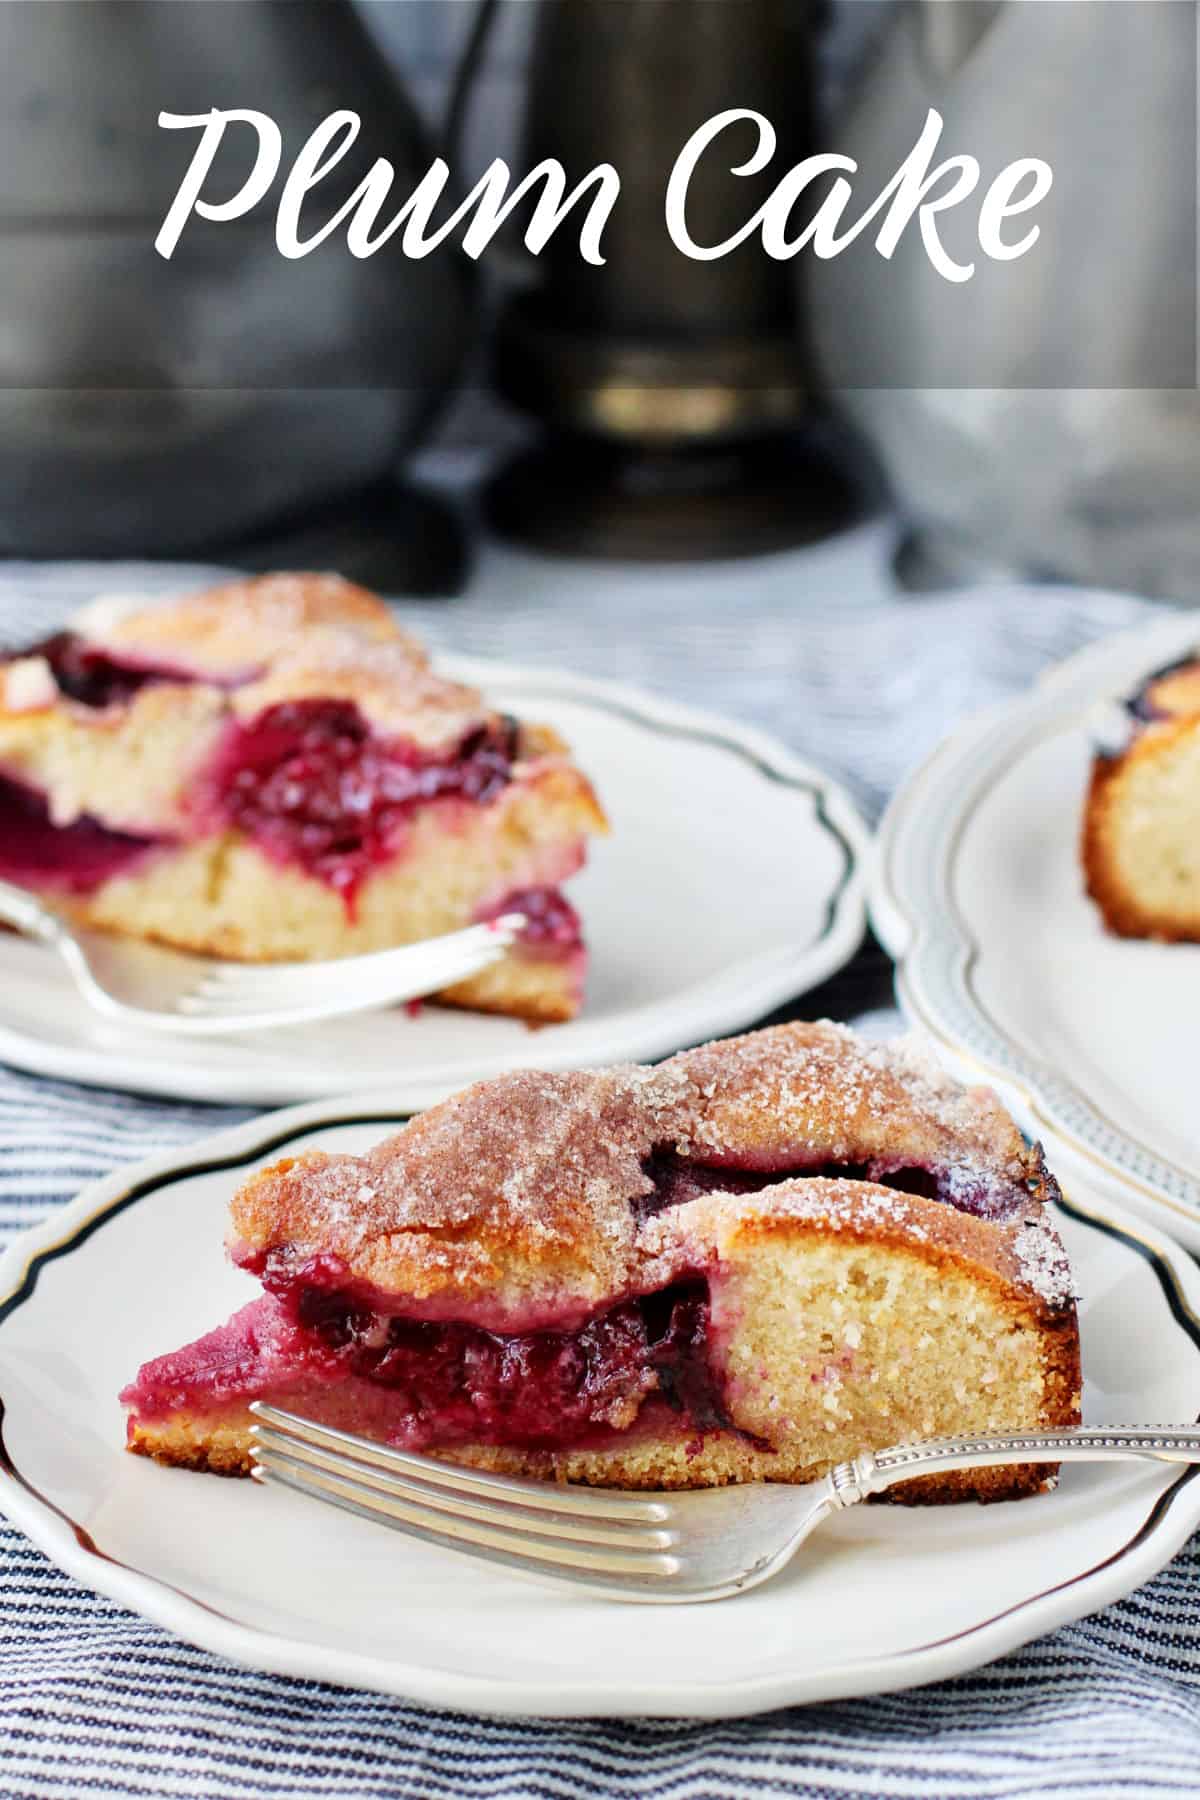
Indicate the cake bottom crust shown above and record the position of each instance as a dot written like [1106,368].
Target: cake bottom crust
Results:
[221,1446]
[542,991]
[217,1444]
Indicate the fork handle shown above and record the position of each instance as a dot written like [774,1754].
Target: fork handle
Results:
[873,1473]
[27,914]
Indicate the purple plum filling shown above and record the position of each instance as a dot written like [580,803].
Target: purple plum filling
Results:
[70,859]
[94,678]
[553,928]
[675,1179]
[446,1383]
[311,784]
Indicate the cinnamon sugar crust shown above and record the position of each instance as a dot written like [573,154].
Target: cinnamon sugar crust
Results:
[264,641]
[819,1092]
[282,637]
[243,625]
[519,1197]
[513,1197]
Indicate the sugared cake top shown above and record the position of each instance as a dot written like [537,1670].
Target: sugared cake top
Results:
[266,640]
[535,1194]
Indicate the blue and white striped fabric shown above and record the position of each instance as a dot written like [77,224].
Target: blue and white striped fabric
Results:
[94,1700]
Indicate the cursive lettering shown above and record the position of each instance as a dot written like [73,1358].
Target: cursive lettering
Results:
[921,189]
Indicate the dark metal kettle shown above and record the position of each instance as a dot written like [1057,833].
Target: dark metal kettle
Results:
[650,347]
[149,406]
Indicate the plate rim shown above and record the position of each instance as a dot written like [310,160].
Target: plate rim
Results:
[913,909]
[650,1031]
[1164,1528]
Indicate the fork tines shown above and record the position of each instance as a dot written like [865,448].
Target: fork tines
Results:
[597,1539]
[233,990]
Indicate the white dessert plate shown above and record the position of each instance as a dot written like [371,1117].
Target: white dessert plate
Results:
[881,1598]
[978,893]
[733,881]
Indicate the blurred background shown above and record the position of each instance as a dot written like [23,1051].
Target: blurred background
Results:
[402,420]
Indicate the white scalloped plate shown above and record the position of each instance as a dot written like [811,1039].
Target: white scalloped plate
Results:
[881,1598]
[733,881]
[977,892]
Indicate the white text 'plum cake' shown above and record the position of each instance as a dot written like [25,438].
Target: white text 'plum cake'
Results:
[1141,831]
[748,1263]
[271,770]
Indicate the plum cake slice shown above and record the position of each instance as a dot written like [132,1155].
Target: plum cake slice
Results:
[748,1263]
[1141,831]
[271,770]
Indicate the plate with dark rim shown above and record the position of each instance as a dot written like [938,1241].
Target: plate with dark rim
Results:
[733,881]
[881,1598]
[977,890]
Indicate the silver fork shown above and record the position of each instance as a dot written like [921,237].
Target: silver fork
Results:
[158,989]
[656,1547]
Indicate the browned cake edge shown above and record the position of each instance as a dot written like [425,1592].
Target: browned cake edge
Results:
[1122,911]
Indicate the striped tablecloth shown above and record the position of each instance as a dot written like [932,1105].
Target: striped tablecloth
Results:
[94,1700]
